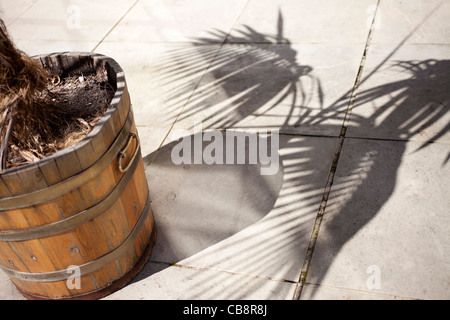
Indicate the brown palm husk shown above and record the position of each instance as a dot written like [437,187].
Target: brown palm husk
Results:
[37,117]
[21,79]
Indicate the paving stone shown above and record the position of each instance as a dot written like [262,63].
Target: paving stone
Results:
[230,217]
[176,21]
[404,94]
[385,228]
[163,282]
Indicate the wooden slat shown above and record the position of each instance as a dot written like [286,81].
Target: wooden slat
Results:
[33,255]
[111,69]
[36,260]
[87,154]
[141,182]
[10,260]
[98,141]
[117,229]
[50,172]
[55,289]
[90,236]
[4,221]
[148,229]
[91,240]
[126,262]
[13,183]
[87,284]
[68,164]
[42,214]
[32,178]
[107,131]
[71,203]
[50,62]
[142,188]
[107,275]
[96,237]
[30,287]
[116,121]
[130,196]
[75,64]
[97,189]
[4,191]
[115,225]
[142,192]
[124,106]
[13,219]
[133,208]
[63,251]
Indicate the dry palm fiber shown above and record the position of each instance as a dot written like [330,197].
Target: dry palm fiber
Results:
[40,115]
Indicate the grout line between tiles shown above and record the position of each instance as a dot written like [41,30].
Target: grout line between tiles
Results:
[380,294]
[327,190]
[232,273]
[115,25]
[197,84]
[332,172]
[25,11]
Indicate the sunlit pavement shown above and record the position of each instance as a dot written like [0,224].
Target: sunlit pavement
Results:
[357,204]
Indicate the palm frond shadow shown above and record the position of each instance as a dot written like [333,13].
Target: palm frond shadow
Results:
[246,78]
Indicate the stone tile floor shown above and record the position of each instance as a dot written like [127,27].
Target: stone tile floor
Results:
[225,231]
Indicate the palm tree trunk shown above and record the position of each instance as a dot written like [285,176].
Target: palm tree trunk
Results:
[20,78]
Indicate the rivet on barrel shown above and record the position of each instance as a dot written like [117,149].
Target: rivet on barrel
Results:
[74,250]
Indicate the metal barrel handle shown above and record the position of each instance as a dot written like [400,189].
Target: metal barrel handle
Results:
[122,153]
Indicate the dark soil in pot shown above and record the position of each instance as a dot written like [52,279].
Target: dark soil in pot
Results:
[72,105]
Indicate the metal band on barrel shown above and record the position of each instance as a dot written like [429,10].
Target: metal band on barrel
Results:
[91,266]
[63,187]
[69,223]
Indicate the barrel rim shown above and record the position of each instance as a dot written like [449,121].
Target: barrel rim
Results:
[71,183]
[120,89]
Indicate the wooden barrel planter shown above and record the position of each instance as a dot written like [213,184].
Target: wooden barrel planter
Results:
[78,224]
